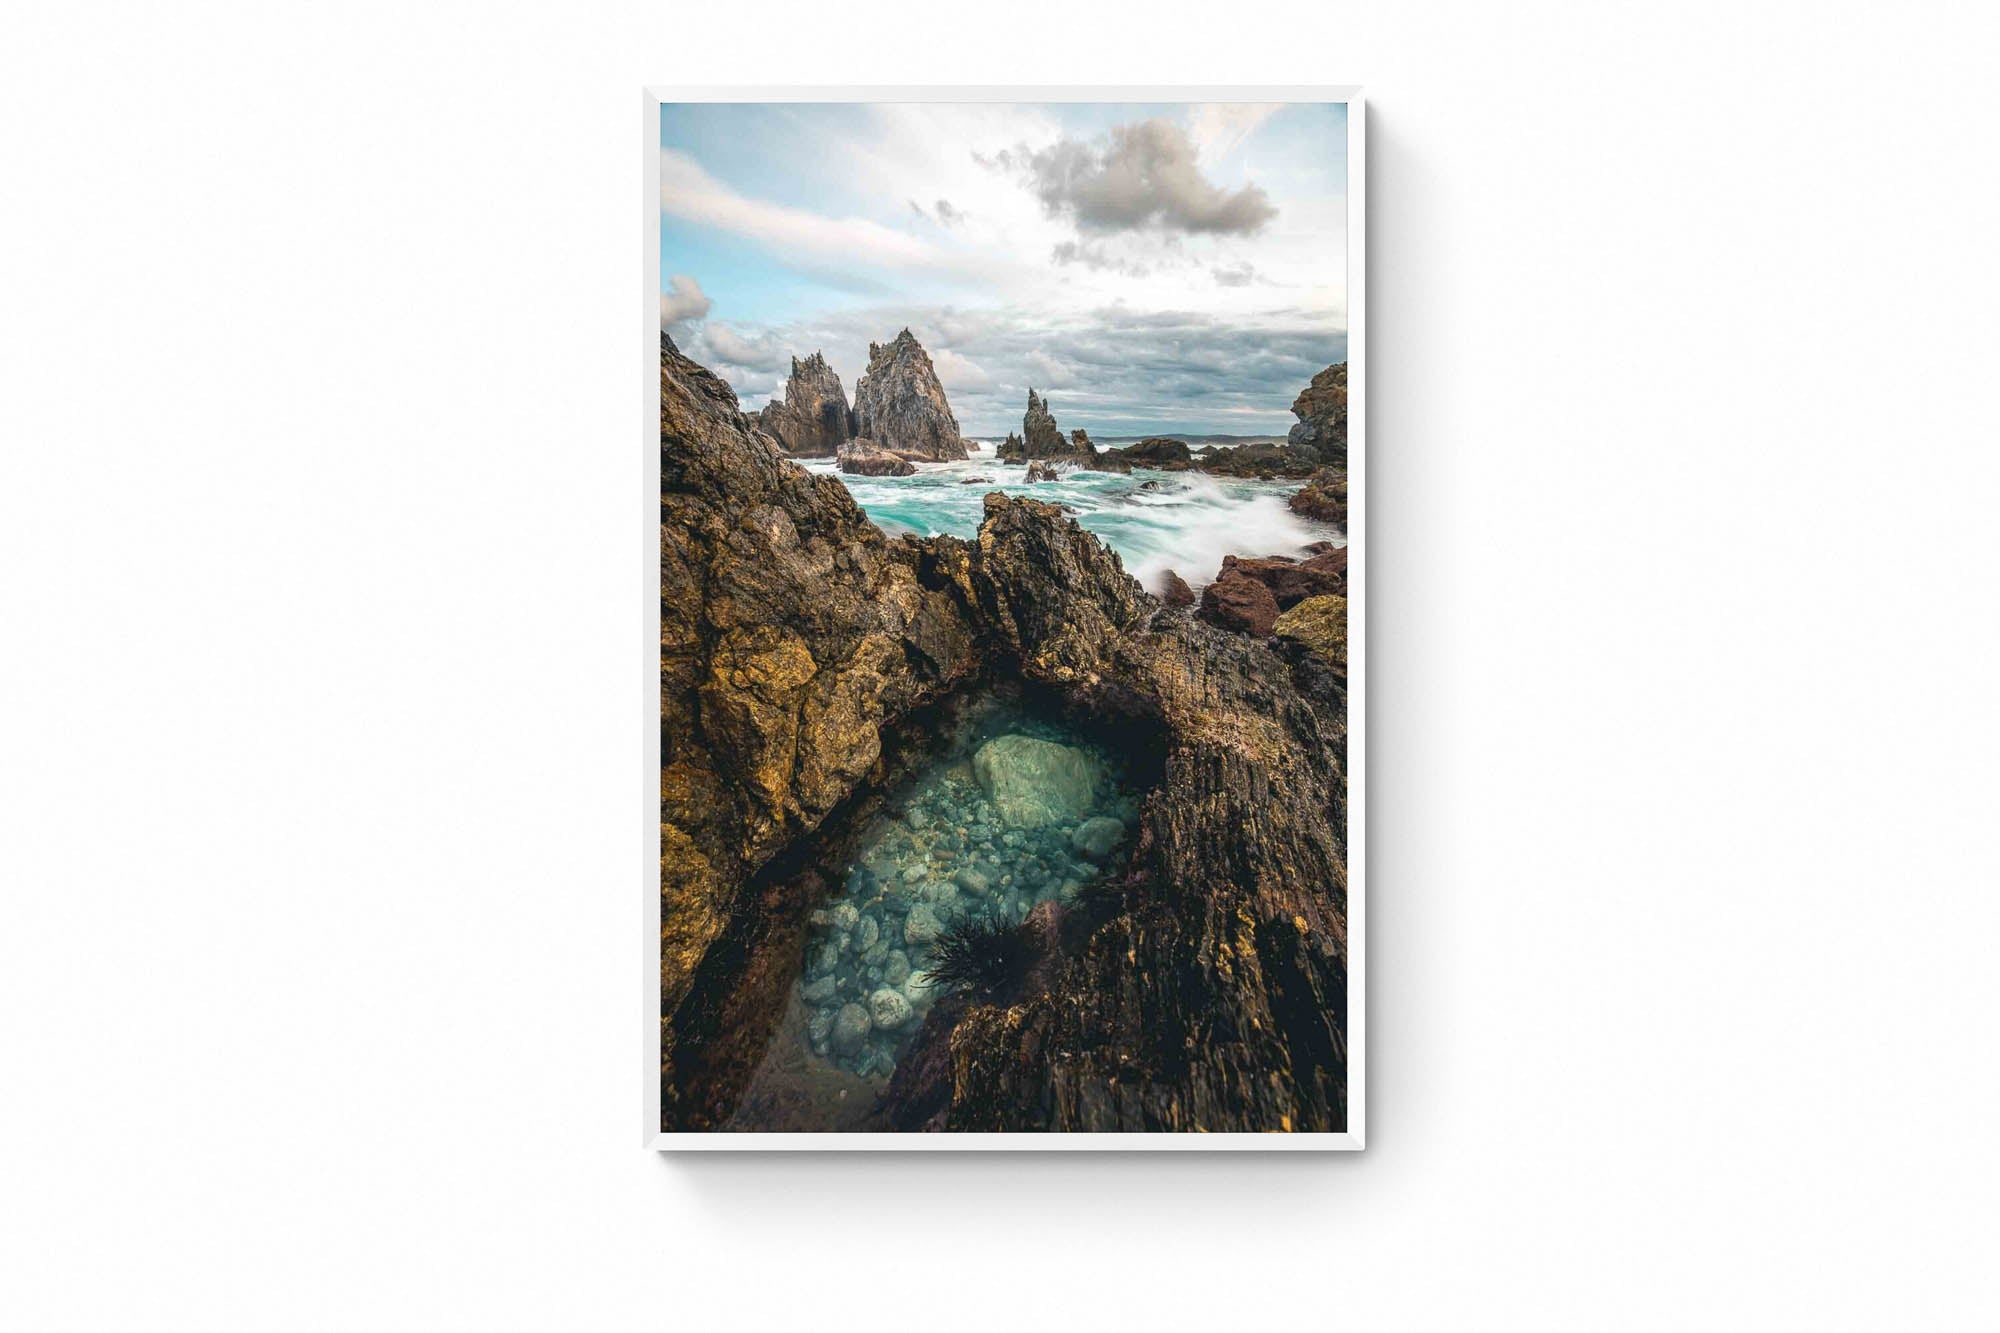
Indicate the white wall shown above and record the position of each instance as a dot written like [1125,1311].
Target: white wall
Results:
[320,590]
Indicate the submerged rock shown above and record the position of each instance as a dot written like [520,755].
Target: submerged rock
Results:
[922,925]
[889,1009]
[899,403]
[851,1026]
[1096,838]
[1034,782]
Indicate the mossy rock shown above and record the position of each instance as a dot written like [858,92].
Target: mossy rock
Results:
[1319,625]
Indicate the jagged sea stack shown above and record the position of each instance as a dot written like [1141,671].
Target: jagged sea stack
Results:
[812,420]
[900,405]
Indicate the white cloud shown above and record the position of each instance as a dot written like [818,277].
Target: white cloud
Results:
[1218,127]
[759,352]
[958,372]
[683,300]
[830,245]
[1045,369]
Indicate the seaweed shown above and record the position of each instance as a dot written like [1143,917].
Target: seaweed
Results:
[985,956]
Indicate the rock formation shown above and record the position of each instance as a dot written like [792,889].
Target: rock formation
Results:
[899,403]
[1322,412]
[1042,440]
[1039,436]
[791,630]
[863,457]
[1157,451]
[1204,988]
[812,420]
[1324,497]
[1263,460]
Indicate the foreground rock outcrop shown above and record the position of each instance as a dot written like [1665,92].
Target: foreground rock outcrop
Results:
[802,652]
[899,403]
[791,631]
[812,420]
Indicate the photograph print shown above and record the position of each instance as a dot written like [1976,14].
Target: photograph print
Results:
[1009,621]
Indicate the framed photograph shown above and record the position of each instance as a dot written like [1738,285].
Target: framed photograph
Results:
[1010,569]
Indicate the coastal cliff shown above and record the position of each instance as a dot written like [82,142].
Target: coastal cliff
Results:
[804,655]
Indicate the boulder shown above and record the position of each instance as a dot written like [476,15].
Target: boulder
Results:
[1292,581]
[1039,471]
[1035,782]
[899,403]
[1177,591]
[864,458]
[1235,601]
[1319,626]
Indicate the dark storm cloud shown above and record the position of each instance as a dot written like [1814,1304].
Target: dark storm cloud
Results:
[1144,176]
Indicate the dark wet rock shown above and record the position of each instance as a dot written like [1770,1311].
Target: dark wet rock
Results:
[1178,593]
[1095,838]
[1156,450]
[862,457]
[1202,987]
[977,481]
[1235,601]
[1263,460]
[899,403]
[812,420]
[1322,412]
[1040,471]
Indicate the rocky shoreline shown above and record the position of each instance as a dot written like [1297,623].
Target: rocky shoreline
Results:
[809,663]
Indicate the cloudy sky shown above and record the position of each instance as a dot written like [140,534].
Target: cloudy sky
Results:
[1149,268]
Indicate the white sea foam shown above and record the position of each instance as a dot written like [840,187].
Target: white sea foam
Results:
[1185,521]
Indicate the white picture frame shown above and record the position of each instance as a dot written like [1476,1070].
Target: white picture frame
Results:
[1355,1136]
